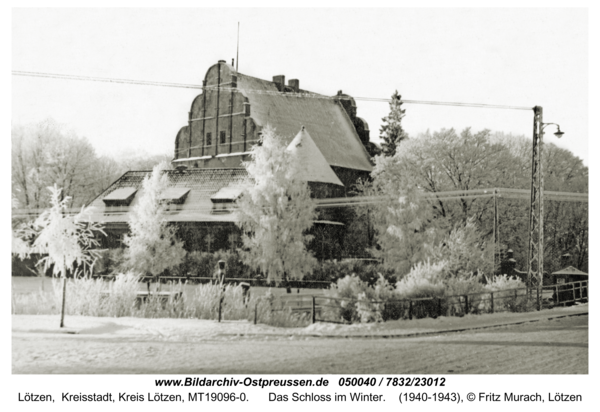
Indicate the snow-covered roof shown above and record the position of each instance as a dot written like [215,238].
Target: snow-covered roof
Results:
[570,270]
[120,197]
[194,186]
[314,166]
[175,194]
[227,194]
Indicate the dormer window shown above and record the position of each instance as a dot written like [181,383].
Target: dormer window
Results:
[174,195]
[224,200]
[120,197]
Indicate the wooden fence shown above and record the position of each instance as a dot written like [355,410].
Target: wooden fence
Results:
[346,310]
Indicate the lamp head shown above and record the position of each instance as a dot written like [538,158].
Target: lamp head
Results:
[558,133]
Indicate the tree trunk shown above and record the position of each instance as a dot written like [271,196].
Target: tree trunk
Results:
[62,311]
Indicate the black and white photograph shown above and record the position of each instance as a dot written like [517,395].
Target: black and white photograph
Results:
[364,198]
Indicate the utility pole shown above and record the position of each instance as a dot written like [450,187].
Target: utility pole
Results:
[496,232]
[535,255]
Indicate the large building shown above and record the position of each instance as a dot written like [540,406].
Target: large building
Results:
[224,122]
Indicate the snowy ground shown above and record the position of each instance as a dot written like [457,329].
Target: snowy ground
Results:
[550,341]
[134,345]
[194,329]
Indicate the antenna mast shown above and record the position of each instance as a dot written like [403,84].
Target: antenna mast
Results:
[237,55]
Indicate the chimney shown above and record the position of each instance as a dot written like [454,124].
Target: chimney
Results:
[279,81]
[294,84]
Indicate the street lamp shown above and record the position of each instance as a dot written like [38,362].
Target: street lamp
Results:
[558,133]
[535,257]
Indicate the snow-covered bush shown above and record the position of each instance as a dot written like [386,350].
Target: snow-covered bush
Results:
[464,284]
[391,308]
[424,280]
[353,299]
[344,294]
[509,293]
[121,295]
[368,310]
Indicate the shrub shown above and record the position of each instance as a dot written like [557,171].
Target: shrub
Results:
[368,310]
[464,251]
[464,284]
[366,271]
[345,294]
[121,296]
[507,296]
[424,280]
[391,308]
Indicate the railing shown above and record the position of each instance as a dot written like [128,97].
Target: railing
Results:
[347,310]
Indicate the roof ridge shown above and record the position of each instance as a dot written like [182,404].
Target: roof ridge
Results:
[302,91]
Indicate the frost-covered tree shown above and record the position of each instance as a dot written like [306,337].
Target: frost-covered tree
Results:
[152,246]
[275,212]
[67,241]
[391,131]
[405,223]
[47,153]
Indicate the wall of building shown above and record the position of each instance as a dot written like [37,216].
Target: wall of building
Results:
[219,123]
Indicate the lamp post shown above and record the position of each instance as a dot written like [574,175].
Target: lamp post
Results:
[535,257]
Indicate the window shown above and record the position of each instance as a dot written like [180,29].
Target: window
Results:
[222,137]
[208,139]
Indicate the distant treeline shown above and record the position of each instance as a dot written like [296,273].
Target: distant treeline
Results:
[48,153]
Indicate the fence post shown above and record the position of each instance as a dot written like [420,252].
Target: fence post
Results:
[466,304]
[539,302]
[255,312]
[410,309]
[492,300]
[555,295]
[439,307]
[573,285]
[313,309]
[220,302]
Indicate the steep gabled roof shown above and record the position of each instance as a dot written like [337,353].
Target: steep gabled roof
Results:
[330,126]
[314,167]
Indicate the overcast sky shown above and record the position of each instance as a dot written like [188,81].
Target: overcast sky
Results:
[517,57]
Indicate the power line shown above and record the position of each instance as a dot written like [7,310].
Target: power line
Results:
[104,79]
[268,92]
[350,201]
